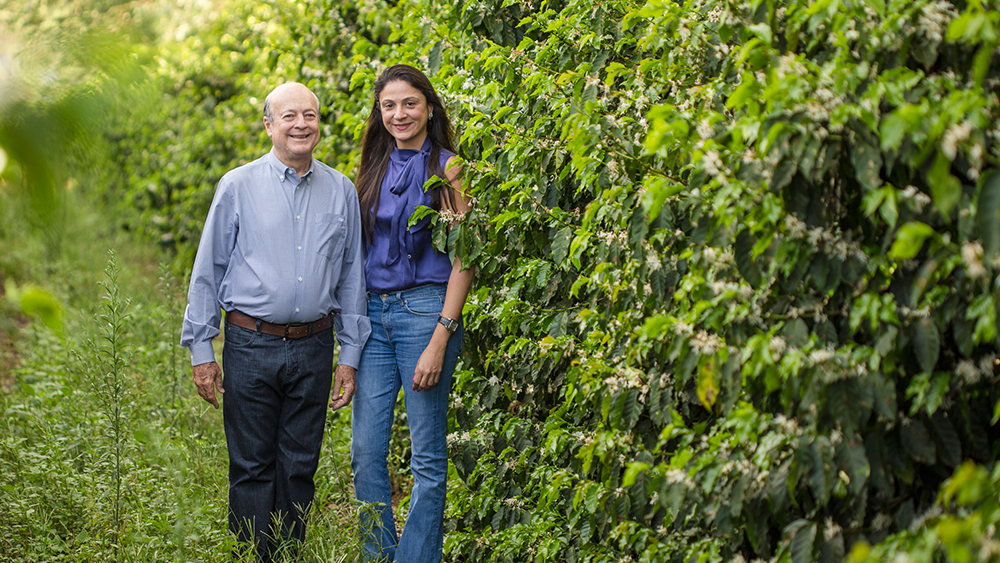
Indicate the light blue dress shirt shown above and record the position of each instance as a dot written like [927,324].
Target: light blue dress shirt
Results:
[282,249]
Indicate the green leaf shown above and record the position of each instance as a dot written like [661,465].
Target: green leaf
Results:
[746,90]
[867,161]
[947,440]
[26,388]
[708,381]
[910,239]
[803,540]
[434,58]
[832,550]
[946,190]
[926,343]
[892,130]
[560,244]
[35,301]
[633,471]
[818,480]
[988,213]
[917,441]
[744,259]
[419,213]
[632,409]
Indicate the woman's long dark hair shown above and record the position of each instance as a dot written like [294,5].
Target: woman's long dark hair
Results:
[378,144]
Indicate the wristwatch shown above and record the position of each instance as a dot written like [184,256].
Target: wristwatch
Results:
[450,324]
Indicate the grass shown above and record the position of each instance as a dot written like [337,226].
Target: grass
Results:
[106,451]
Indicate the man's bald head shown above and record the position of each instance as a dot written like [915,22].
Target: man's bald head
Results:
[288,88]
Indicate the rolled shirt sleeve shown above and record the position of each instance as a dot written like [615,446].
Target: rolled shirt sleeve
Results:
[203,314]
[352,323]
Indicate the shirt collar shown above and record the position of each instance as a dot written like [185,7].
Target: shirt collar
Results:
[283,171]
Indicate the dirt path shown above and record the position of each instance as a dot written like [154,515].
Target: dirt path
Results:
[10,324]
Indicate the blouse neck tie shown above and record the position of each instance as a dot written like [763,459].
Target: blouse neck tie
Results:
[414,164]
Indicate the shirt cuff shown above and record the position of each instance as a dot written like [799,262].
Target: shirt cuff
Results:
[350,356]
[202,353]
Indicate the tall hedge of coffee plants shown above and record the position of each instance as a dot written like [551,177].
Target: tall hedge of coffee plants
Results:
[737,261]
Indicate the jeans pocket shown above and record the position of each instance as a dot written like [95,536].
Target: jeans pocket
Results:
[326,338]
[239,336]
[424,305]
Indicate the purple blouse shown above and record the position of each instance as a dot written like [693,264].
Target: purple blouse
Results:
[400,258]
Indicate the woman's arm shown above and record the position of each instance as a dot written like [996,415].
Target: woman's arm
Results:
[428,371]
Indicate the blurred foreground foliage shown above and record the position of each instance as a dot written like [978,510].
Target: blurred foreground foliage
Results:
[105,455]
[738,261]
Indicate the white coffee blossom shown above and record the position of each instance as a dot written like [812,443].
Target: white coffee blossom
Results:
[653,262]
[953,137]
[789,425]
[609,237]
[881,522]
[972,255]
[933,20]
[712,163]
[831,530]
[677,476]
[820,356]
[705,343]
[795,226]
[514,503]
[987,364]
[457,438]
[704,129]
[968,371]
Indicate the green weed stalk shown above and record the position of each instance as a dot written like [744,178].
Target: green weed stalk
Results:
[108,362]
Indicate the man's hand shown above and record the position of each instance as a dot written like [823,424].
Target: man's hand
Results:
[343,386]
[208,378]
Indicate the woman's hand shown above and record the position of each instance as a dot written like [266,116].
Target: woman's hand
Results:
[428,370]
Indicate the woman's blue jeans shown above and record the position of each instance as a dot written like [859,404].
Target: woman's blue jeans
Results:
[402,325]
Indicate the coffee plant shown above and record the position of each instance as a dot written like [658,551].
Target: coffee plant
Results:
[737,261]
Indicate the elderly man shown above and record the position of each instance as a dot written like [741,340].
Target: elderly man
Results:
[281,255]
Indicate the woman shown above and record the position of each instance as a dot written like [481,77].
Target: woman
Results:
[415,300]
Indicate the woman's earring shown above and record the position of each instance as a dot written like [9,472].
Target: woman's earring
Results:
[430,117]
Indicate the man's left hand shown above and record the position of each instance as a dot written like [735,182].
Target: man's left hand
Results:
[343,387]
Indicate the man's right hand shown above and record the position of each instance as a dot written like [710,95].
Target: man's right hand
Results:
[208,378]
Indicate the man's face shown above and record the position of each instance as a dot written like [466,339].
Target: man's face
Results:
[294,129]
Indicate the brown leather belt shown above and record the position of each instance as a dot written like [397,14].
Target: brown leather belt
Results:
[293,331]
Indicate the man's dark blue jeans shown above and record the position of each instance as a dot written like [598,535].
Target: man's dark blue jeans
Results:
[274,411]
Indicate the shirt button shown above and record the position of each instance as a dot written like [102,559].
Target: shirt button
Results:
[296,217]
[300,248]
[296,309]
[408,256]
[300,279]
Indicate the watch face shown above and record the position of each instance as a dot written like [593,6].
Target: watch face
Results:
[450,324]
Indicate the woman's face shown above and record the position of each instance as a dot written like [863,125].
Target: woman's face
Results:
[404,114]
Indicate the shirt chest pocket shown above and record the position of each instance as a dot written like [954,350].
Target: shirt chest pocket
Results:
[330,233]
